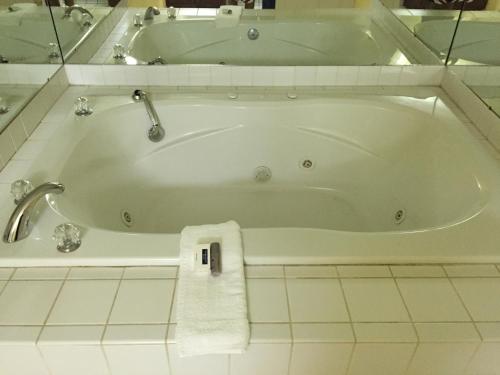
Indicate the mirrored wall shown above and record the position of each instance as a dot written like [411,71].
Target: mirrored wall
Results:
[475,52]
[250,32]
[29,54]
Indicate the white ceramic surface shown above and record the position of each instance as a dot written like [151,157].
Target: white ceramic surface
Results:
[371,156]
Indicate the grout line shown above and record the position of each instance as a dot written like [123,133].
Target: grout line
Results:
[63,282]
[289,311]
[465,307]
[348,310]
[406,306]
[112,306]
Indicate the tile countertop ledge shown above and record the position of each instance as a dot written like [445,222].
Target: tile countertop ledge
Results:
[287,304]
[315,320]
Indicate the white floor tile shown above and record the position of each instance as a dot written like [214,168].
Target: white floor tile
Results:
[447,332]
[143,301]
[432,300]
[485,360]
[481,297]
[21,360]
[98,273]
[472,270]
[262,359]
[40,273]
[316,300]
[381,359]
[204,364]
[150,273]
[84,302]
[263,272]
[267,300]
[384,332]
[441,358]
[27,302]
[74,359]
[418,271]
[322,332]
[310,271]
[364,271]
[320,359]
[374,300]
[137,359]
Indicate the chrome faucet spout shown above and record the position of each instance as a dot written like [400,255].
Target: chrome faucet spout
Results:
[79,8]
[156,132]
[18,226]
[150,13]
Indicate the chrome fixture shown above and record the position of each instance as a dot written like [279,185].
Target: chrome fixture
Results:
[227,11]
[150,13]
[157,61]
[137,20]
[19,189]
[119,52]
[156,132]
[291,95]
[53,51]
[232,95]
[82,106]
[86,20]
[253,33]
[4,106]
[79,8]
[3,59]
[68,237]
[171,13]
[18,226]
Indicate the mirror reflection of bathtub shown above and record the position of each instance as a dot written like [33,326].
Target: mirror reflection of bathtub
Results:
[351,39]
[476,41]
[27,34]
[14,98]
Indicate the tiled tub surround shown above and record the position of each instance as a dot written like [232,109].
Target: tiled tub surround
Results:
[314,320]
[265,245]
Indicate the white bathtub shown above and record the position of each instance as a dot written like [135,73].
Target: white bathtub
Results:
[343,40]
[372,156]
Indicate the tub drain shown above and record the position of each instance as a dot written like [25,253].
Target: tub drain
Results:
[399,216]
[126,218]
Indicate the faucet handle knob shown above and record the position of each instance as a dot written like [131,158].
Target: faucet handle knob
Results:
[19,189]
[67,236]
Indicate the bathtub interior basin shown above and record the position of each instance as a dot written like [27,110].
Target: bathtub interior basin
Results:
[324,178]
[307,164]
[352,40]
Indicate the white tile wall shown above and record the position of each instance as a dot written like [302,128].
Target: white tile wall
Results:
[226,75]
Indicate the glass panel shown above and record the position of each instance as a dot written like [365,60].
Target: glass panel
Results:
[26,37]
[80,22]
[432,22]
[477,41]
[258,32]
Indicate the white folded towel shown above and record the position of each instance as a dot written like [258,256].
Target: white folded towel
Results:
[228,16]
[212,310]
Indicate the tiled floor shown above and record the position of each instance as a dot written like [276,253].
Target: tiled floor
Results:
[420,319]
